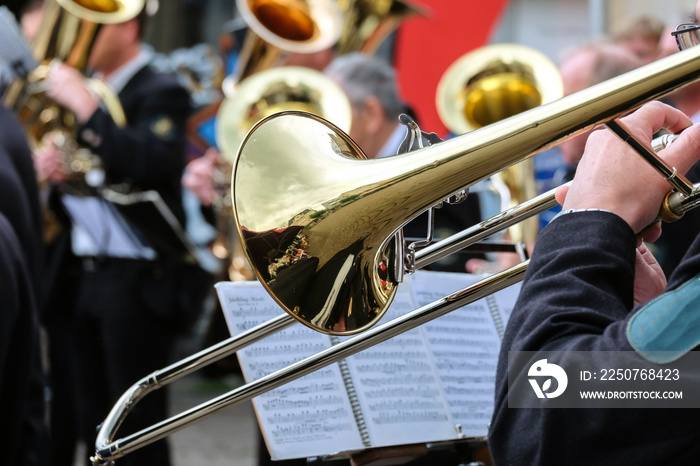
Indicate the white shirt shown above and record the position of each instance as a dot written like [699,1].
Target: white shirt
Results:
[392,144]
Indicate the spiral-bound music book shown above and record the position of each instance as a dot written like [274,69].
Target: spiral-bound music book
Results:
[434,383]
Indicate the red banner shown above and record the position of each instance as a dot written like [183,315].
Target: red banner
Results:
[426,46]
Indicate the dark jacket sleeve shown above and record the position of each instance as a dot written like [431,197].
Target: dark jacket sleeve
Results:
[579,284]
[19,158]
[149,152]
[151,148]
[577,296]
[21,375]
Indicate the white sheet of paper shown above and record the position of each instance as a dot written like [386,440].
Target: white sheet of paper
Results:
[309,416]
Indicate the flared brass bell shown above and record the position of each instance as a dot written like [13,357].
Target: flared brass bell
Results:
[491,84]
[275,90]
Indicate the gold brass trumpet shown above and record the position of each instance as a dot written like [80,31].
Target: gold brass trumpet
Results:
[335,218]
[492,83]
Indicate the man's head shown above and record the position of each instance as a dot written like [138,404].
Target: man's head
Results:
[116,44]
[640,35]
[370,84]
[585,67]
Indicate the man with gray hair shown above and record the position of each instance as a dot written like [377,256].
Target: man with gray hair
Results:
[370,84]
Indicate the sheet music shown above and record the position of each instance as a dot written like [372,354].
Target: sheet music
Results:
[414,388]
[398,387]
[309,416]
[465,347]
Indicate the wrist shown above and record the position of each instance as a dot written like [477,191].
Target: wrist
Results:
[571,211]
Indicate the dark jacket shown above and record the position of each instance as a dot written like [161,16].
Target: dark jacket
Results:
[149,153]
[578,296]
[23,441]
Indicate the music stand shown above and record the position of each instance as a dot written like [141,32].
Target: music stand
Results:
[155,221]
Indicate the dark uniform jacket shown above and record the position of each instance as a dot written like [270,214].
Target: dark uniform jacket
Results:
[578,296]
[147,155]
[18,176]
[21,389]
[21,247]
[150,152]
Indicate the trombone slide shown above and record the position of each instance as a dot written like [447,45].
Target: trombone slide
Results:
[442,169]
[107,449]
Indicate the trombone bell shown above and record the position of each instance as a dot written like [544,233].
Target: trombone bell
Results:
[292,250]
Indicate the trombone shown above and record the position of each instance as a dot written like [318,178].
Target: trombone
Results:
[442,169]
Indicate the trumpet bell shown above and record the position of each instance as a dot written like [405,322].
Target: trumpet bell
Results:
[301,26]
[275,90]
[291,21]
[277,27]
[493,83]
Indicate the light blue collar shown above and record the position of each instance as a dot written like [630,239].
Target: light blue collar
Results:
[667,327]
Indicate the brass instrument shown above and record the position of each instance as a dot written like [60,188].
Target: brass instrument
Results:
[367,23]
[67,32]
[276,90]
[259,88]
[275,29]
[257,97]
[278,27]
[492,83]
[343,213]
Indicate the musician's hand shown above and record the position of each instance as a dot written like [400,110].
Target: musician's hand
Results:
[611,176]
[48,163]
[67,86]
[649,279]
[199,177]
[503,261]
